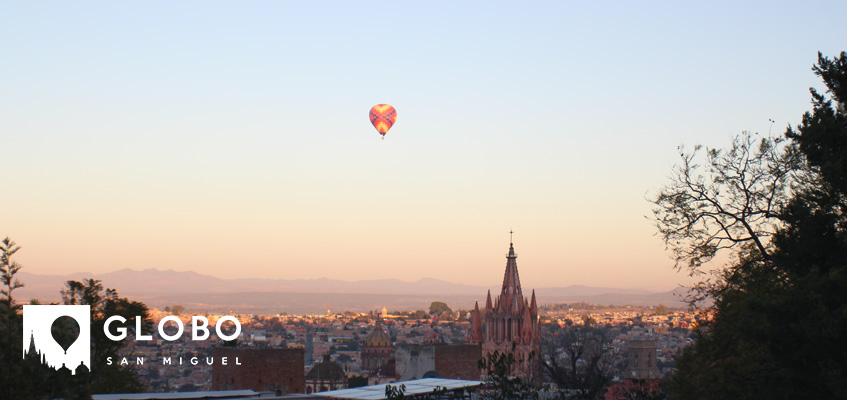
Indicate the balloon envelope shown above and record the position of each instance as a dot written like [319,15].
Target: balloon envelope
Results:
[383,117]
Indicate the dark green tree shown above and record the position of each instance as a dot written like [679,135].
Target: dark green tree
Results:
[821,134]
[10,322]
[779,317]
[808,305]
[439,307]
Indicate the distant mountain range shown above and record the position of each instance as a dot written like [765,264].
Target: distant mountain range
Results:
[206,293]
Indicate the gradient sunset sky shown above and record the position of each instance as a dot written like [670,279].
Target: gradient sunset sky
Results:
[232,138]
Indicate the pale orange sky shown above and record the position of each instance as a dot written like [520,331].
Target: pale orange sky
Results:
[234,141]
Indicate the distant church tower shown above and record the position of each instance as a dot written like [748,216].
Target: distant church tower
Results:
[377,349]
[641,357]
[511,321]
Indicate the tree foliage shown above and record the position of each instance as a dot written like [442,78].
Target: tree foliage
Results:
[780,314]
[8,269]
[105,303]
[10,323]
[439,307]
[577,360]
[27,378]
[177,309]
[500,383]
[821,134]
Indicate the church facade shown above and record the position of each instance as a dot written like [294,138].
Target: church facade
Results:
[377,349]
[509,323]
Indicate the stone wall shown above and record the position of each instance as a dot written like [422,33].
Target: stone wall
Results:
[279,370]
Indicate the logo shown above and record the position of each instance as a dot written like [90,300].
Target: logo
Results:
[58,335]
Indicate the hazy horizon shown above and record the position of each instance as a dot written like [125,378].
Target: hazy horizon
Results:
[417,280]
[233,139]
[205,293]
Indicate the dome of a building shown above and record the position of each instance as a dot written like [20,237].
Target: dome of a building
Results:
[326,371]
[431,374]
[378,337]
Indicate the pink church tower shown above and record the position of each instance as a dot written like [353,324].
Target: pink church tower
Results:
[510,323]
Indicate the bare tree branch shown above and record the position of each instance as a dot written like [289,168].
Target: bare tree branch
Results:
[718,199]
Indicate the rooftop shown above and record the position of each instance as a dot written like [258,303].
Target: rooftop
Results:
[222,395]
[413,387]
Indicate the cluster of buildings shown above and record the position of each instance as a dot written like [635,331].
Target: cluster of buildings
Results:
[313,354]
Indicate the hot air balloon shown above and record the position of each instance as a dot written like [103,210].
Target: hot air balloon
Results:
[383,117]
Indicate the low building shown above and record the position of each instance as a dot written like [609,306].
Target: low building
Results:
[450,361]
[324,376]
[264,369]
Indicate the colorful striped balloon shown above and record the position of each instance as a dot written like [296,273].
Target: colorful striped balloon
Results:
[383,117]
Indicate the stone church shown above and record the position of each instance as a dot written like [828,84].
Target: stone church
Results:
[509,323]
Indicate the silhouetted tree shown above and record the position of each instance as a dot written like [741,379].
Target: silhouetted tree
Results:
[780,314]
[577,360]
[722,199]
[10,321]
[105,303]
[27,378]
[500,383]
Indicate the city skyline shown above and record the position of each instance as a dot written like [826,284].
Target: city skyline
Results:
[233,140]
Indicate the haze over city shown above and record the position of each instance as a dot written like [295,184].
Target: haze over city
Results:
[232,140]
